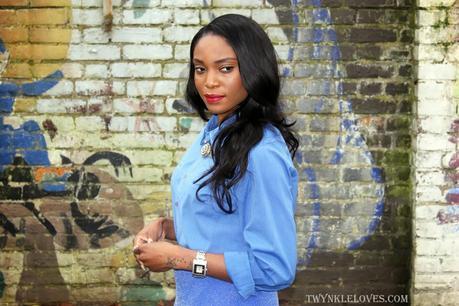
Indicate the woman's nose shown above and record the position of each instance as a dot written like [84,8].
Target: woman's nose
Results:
[211,80]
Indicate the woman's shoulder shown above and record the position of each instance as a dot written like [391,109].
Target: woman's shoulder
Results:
[271,156]
[271,145]
[272,135]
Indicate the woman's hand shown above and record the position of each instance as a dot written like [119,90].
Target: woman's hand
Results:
[162,256]
[154,231]
[159,256]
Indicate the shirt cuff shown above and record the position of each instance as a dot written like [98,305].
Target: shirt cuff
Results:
[238,268]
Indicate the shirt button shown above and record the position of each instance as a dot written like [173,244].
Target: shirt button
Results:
[176,203]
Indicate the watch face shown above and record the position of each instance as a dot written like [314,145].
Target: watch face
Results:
[199,269]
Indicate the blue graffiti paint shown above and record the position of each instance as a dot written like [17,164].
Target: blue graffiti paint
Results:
[299,157]
[357,243]
[6,104]
[314,193]
[452,195]
[55,186]
[337,156]
[315,225]
[348,129]
[286,71]
[296,21]
[318,35]
[9,89]
[321,14]
[27,140]
[38,88]
[314,188]
[347,124]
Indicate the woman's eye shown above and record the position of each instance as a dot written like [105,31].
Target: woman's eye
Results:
[227,69]
[199,69]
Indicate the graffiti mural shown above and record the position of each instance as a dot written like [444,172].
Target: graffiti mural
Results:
[350,156]
[48,209]
[450,214]
[341,210]
[81,223]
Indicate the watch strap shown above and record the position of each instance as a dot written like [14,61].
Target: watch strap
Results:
[201,255]
[199,268]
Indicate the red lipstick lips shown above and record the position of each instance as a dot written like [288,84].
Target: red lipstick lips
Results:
[213,98]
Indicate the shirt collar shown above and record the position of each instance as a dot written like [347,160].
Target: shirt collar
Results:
[212,128]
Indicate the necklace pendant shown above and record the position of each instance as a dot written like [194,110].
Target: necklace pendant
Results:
[206,149]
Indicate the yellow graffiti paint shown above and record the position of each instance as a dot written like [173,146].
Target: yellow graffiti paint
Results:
[35,32]
[25,105]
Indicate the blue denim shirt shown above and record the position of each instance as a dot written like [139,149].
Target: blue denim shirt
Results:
[258,240]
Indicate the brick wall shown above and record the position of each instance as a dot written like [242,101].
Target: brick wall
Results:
[361,219]
[99,122]
[436,223]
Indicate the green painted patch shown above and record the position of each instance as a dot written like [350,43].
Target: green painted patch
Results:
[185,122]
[140,7]
[138,295]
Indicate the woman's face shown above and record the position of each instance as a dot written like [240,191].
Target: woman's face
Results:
[217,77]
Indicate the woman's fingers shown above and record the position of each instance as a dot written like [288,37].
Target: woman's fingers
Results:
[139,240]
[138,249]
[162,233]
[151,254]
[143,249]
[153,231]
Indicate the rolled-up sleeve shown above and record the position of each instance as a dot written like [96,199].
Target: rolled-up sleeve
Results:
[269,229]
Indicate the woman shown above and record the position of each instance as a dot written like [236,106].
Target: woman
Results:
[234,191]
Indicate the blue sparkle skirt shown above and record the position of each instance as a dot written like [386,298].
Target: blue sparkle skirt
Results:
[209,291]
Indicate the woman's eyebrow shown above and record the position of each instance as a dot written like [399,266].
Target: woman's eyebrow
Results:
[196,60]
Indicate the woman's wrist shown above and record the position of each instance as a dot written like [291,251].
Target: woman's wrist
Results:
[182,259]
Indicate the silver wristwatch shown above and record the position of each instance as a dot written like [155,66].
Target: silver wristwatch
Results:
[199,265]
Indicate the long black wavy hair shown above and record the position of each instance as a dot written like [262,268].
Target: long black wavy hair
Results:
[260,77]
